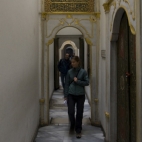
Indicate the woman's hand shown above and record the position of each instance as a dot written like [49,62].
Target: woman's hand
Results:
[75,79]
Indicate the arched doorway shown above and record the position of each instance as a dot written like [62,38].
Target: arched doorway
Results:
[50,64]
[68,49]
[67,40]
[59,53]
[126,83]
[122,81]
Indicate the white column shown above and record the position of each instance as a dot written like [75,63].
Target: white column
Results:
[42,100]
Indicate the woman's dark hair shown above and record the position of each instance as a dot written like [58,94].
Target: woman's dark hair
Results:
[77,59]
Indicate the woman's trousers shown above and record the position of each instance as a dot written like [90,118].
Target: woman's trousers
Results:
[78,101]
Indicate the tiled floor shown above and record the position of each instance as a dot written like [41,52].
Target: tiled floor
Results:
[58,131]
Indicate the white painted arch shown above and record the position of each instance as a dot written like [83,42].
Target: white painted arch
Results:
[72,44]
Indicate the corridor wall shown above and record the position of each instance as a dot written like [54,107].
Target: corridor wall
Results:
[111,14]
[19,76]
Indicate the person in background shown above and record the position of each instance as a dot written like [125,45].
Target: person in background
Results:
[63,66]
[76,80]
[72,56]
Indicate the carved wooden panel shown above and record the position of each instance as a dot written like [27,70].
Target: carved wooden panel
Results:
[126,80]
[132,68]
[122,92]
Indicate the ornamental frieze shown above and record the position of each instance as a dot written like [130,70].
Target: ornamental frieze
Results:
[69,6]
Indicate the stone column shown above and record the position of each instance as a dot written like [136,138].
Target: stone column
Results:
[95,67]
[42,99]
[93,83]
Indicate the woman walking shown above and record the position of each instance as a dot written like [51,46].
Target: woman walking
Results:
[76,80]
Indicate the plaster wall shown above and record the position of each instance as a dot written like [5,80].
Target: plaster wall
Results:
[69,31]
[107,67]
[19,70]
[102,68]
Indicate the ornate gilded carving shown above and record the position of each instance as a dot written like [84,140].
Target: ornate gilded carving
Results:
[42,101]
[66,6]
[132,29]
[43,15]
[130,13]
[69,16]
[97,15]
[74,22]
[88,41]
[93,19]
[50,41]
[107,115]
[107,5]
[96,100]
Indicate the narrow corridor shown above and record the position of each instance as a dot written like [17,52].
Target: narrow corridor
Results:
[58,130]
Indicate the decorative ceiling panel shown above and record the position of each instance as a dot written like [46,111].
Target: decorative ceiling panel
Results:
[69,6]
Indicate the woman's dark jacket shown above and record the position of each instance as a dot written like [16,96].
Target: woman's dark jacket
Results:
[64,65]
[76,88]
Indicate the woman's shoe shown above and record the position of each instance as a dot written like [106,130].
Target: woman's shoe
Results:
[78,135]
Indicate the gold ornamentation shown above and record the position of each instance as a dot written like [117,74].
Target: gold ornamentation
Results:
[43,15]
[88,41]
[74,22]
[96,100]
[128,15]
[93,19]
[69,16]
[132,12]
[62,22]
[42,101]
[97,15]
[92,23]
[66,6]
[107,5]
[132,29]
[107,115]
[50,41]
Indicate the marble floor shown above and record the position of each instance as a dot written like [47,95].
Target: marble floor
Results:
[58,130]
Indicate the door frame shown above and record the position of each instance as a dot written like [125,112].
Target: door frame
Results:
[50,43]
[113,73]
